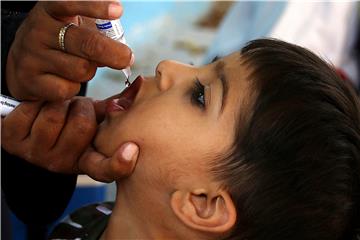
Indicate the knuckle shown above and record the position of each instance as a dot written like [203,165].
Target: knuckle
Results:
[27,111]
[83,126]
[91,46]
[61,91]
[85,70]
[52,119]
[66,90]
[54,113]
[83,67]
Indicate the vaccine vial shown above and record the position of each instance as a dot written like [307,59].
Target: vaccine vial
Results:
[114,30]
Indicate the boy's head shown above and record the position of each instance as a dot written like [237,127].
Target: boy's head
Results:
[262,144]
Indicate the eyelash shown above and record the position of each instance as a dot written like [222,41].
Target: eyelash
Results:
[197,92]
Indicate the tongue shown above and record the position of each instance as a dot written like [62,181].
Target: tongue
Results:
[124,103]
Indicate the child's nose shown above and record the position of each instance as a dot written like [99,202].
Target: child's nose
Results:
[170,72]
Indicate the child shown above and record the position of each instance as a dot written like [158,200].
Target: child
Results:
[262,144]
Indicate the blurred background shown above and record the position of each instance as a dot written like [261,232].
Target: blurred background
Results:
[161,30]
[196,32]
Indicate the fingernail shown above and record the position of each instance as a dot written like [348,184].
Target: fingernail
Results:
[129,152]
[115,10]
[132,59]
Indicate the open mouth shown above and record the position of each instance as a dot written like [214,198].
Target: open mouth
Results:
[124,100]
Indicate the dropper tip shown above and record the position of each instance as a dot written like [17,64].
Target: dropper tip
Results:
[127,82]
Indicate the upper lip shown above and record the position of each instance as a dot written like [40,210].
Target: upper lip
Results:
[125,99]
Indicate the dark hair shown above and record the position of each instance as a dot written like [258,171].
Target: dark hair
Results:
[294,169]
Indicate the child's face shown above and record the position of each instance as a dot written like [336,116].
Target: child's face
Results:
[178,130]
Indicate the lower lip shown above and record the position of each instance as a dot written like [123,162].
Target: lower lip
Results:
[112,104]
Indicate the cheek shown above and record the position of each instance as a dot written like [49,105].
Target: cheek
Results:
[151,124]
[174,140]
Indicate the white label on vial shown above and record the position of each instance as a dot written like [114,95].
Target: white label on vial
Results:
[112,29]
[7,105]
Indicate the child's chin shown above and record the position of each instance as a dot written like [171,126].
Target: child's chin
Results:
[101,145]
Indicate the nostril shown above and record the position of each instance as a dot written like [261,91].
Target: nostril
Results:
[161,67]
[158,73]
[164,75]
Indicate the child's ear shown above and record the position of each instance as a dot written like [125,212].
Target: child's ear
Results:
[203,211]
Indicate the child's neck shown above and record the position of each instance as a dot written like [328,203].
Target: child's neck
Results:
[122,225]
[126,223]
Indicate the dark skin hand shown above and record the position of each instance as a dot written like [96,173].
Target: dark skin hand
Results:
[52,131]
[64,145]
[29,75]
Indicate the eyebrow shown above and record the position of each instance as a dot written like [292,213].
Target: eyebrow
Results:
[219,70]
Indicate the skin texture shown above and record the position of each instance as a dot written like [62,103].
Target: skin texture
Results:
[29,75]
[64,145]
[178,140]
[45,134]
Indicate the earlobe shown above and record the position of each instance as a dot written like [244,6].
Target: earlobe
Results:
[202,211]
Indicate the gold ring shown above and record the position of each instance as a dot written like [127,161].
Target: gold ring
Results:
[62,33]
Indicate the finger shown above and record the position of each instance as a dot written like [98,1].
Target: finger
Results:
[68,66]
[108,169]
[17,125]
[100,109]
[53,88]
[94,46]
[94,9]
[90,44]
[77,134]
[48,125]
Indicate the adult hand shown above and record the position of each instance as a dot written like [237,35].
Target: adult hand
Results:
[37,69]
[57,136]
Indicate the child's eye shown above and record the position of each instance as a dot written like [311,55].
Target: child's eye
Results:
[197,94]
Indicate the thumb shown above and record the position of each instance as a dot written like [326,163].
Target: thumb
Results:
[108,169]
[124,160]
[92,9]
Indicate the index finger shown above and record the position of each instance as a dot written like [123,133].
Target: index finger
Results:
[93,9]
[92,45]
[19,122]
